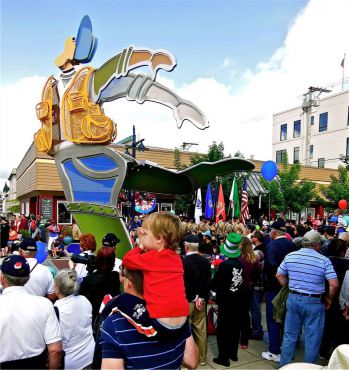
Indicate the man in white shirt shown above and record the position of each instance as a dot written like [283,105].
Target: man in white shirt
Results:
[28,324]
[41,280]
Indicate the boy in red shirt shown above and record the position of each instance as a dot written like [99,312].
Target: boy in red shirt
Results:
[162,268]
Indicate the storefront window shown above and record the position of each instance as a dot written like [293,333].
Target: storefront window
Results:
[63,215]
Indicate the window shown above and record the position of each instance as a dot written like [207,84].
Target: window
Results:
[311,151]
[323,122]
[283,132]
[347,151]
[166,207]
[312,120]
[321,162]
[280,156]
[297,128]
[296,154]
[63,215]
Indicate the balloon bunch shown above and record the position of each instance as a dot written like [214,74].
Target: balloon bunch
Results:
[148,197]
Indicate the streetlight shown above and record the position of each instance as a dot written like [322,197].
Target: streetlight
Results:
[136,145]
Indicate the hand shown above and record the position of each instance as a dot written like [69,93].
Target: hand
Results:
[71,264]
[346,312]
[328,303]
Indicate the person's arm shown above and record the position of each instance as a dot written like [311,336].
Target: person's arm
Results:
[191,354]
[332,291]
[282,273]
[282,279]
[54,355]
[112,363]
[344,293]
[135,259]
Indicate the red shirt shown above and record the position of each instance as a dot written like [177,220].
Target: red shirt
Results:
[163,284]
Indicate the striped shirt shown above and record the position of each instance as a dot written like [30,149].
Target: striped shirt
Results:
[307,271]
[120,339]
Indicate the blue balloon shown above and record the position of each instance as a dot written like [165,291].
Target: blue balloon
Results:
[42,252]
[74,248]
[269,170]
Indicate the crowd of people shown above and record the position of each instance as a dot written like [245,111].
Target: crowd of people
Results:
[80,319]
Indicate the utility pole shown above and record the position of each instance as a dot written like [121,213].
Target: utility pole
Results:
[310,100]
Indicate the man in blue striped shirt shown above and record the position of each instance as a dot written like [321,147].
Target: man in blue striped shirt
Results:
[305,272]
[129,344]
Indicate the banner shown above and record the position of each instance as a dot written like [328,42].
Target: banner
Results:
[198,207]
[209,203]
[234,199]
[220,210]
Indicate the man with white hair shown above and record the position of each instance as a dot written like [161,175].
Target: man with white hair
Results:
[305,272]
[197,278]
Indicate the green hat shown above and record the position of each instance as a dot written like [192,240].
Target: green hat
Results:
[230,248]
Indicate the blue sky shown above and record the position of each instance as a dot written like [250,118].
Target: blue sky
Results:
[201,34]
[239,61]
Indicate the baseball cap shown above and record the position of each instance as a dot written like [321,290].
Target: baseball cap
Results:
[28,244]
[311,237]
[16,266]
[110,240]
[191,239]
[278,225]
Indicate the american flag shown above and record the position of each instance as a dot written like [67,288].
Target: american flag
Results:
[244,203]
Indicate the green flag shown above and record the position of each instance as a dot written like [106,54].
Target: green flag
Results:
[234,199]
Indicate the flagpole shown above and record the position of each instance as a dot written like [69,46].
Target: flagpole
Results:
[343,73]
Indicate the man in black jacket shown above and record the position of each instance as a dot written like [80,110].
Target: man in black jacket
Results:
[275,253]
[227,282]
[197,277]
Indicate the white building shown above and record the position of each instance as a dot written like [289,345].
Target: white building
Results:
[328,132]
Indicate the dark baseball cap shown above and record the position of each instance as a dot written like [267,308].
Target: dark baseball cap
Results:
[16,266]
[28,244]
[191,239]
[110,240]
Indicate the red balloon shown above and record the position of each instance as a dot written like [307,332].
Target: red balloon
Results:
[342,204]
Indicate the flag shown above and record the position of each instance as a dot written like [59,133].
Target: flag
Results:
[220,208]
[244,203]
[234,199]
[209,203]
[342,63]
[198,207]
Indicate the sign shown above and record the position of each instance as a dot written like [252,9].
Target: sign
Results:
[46,208]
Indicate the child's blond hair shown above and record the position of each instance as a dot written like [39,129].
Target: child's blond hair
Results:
[246,248]
[167,225]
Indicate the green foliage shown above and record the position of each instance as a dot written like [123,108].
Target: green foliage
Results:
[215,153]
[25,233]
[6,188]
[287,193]
[12,206]
[337,190]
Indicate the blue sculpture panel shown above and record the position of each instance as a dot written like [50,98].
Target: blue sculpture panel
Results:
[87,189]
[99,163]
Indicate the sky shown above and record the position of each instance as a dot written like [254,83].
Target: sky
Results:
[238,61]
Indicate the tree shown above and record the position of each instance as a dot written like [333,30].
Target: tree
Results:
[6,188]
[287,193]
[338,188]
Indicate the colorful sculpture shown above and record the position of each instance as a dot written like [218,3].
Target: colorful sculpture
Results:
[77,133]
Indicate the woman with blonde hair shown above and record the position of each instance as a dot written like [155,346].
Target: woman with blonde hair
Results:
[250,274]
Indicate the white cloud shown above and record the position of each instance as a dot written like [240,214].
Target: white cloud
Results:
[226,63]
[311,55]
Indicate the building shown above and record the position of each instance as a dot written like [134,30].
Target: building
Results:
[326,139]
[39,189]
